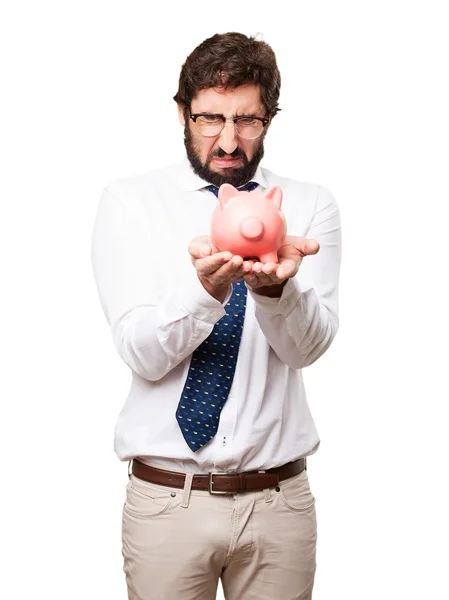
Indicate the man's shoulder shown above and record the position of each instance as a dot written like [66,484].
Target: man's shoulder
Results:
[288,182]
[142,183]
[302,194]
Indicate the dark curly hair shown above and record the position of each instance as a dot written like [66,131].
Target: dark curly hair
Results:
[228,60]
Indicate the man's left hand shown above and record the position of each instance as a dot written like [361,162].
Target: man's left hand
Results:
[268,279]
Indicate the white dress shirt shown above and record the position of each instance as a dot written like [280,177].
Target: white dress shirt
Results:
[159,313]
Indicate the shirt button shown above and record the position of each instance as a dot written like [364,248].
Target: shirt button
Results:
[284,303]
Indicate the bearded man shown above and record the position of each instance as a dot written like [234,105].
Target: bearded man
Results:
[217,342]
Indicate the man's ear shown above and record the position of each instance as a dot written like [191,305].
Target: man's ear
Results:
[181,114]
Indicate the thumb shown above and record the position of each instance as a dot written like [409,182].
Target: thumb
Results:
[307,247]
[302,245]
[200,247]
[204,249]
[310,247]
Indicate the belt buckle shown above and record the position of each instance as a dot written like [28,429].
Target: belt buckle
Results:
[211,483]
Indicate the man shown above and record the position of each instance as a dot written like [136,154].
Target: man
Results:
[231,500]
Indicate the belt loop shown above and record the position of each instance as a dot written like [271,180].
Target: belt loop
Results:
[130,469]
[187,489]
[266,492]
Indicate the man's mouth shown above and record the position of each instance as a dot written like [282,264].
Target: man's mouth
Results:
[225,163]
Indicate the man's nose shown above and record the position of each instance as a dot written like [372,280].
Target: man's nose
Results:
[228,138]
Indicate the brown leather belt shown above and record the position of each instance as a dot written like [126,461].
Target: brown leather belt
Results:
[221,483]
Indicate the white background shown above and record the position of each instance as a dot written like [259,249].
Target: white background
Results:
[86,98]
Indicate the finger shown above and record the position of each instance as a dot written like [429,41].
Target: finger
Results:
[236,261]
[287,268]
[267,280]
[311,247]
[303,245]
[269,268]
[251,279]
[231,271]
[204,250]
[248,265]
[210,264]
[214,248]
[200,247]
[257,267]
[227,273]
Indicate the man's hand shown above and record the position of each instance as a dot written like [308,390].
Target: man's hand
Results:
[268,279]
[216,270]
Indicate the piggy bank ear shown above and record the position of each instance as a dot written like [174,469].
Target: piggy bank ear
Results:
[226,192]
[275,194]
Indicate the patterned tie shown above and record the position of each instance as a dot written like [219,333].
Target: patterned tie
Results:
[212,368]
[248,187]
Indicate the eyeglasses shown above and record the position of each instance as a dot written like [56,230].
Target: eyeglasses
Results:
[248,128]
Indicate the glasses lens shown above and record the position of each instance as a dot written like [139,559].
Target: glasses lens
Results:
[248,128]
[209,125]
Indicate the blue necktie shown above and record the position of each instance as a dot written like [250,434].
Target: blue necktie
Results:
[212,368]
[248,187]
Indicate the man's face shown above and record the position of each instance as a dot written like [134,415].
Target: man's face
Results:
[224,158]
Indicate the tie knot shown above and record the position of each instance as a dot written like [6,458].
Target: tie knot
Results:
[248,187]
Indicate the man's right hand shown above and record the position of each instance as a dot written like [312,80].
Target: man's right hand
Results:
[216,270]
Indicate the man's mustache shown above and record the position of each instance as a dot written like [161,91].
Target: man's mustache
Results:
[220,153]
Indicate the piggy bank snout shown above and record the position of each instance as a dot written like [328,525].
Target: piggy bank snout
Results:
[252,228]
[249,224]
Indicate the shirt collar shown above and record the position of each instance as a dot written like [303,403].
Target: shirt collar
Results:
[190,181]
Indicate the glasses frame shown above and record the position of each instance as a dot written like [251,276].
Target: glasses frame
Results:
[234,120]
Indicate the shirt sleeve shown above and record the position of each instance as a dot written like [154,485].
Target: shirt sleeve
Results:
[157,319]
[301,324]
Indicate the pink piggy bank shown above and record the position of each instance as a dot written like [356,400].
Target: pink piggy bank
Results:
[249,224]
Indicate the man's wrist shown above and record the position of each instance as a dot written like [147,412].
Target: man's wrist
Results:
[216,291]
[270,291]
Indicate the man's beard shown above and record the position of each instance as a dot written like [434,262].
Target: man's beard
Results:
[237,176]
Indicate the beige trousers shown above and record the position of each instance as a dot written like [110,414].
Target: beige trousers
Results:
[178,543]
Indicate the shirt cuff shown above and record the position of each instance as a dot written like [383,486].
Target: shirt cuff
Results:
[282,305]
[194,300]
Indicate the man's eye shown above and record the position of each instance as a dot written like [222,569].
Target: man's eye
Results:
[247,121]
[209,120]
